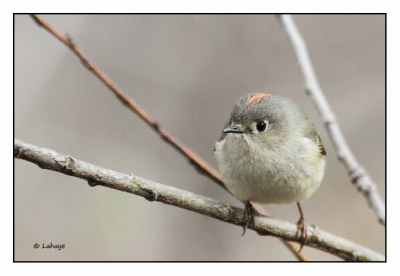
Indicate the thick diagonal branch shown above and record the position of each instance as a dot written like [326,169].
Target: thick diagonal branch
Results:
[51,160]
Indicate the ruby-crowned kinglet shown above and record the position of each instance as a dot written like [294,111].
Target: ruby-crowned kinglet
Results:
[270,153]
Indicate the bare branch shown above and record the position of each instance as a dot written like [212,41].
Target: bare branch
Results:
[358,176]
[51,160]
[193,158]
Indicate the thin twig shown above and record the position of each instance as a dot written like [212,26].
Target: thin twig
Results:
[51,160]
[195,160]
[358,175]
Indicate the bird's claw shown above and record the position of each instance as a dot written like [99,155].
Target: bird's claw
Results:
[248,216]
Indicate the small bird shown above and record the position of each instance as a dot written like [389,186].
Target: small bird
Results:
[270,153]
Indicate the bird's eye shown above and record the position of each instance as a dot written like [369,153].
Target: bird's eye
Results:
[261,126]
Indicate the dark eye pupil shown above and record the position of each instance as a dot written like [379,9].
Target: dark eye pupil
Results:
[261,126]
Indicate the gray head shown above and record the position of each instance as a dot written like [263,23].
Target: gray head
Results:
[269,118]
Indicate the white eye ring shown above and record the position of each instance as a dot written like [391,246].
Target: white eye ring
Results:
[260,126]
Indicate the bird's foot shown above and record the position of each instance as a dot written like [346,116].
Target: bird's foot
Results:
[249,211]
[301,232]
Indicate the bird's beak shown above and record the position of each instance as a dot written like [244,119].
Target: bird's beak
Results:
[233,129]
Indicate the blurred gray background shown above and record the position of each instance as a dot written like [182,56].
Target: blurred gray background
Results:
[186,71]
